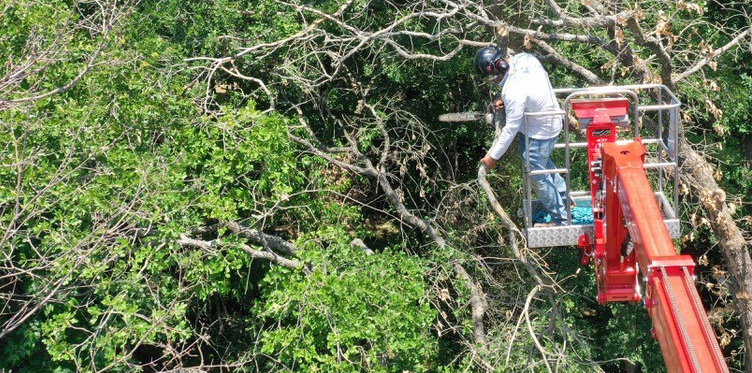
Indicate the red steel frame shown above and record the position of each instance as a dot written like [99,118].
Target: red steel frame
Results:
[630,238]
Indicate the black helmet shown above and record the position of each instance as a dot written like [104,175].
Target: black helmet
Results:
[489,61]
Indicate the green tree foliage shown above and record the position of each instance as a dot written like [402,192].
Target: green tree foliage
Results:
[101,185]
[325,326]
[125,163]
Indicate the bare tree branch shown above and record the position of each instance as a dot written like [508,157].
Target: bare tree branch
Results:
[586,74]
[265,255]
[266,240]
[655,46]
[705,60]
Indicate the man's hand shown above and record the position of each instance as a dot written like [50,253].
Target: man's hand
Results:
[498,104]
[488,162]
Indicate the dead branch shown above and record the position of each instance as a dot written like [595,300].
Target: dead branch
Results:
[357,242]
[210,246]
[268,241]
[655,46]
[714,55]
[699,176]
[36,60]
[580,70]
[479,306]
[525,311]
[515,235]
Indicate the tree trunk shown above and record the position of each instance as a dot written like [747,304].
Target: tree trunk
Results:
[731,240]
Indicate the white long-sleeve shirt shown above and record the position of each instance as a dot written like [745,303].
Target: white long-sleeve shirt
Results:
[526,89]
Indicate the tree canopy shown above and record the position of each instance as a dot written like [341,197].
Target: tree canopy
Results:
[263,185]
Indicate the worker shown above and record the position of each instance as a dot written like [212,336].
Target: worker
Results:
[527,89]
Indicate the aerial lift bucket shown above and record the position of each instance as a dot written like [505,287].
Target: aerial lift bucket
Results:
[612,100]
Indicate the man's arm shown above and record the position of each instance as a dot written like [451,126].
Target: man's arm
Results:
[515,109]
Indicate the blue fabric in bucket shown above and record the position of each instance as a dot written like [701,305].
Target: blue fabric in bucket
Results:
[580,215]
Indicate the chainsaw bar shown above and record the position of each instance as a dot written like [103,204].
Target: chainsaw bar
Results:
[462,117]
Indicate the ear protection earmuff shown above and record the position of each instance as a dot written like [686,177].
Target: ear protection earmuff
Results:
[500,66]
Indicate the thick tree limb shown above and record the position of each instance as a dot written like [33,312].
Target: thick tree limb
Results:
[731,239]
[560,36]
[586,74]
[515,235]
[321,153]
[584,22]
[260,238]
[265,255]
[479,305]
[357,242]
[655,46]
[271,243]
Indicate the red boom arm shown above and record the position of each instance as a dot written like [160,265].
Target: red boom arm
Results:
[630,237]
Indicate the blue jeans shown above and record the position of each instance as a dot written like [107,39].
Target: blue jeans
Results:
[551,189]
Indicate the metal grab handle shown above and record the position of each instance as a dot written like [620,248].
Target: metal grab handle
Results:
[674,101]
[659,165]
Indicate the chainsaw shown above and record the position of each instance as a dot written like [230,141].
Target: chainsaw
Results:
[490,116]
